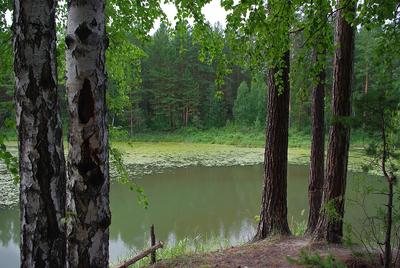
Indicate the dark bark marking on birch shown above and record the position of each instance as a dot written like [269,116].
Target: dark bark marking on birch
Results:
[93,23]
[32,91]
[46,173]
[46,81]
[86,103]
[83,32]
[69,41]
[89,167]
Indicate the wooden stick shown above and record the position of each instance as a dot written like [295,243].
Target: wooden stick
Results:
[140,256]
[153,242]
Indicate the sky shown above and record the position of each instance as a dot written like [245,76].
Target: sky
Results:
[213,12]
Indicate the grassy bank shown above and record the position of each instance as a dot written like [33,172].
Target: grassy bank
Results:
[189,248]
[184,248]
[228,135]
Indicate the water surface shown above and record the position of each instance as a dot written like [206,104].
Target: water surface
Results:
[190,202]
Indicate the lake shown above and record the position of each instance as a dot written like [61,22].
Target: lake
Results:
[194,202]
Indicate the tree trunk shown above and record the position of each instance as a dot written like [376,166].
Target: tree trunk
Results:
[41,154]
[273,216]
[317,146]
[131,121]
[330,224]
[88,167]
[389,224]
[390,179]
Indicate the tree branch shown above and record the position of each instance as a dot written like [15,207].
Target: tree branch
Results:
[140,256]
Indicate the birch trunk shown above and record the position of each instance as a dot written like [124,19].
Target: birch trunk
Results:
[88,168]
[330,224]
[41,156]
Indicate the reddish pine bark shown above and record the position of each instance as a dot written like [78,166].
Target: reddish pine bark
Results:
[317,147]
[330,224]
[273,215]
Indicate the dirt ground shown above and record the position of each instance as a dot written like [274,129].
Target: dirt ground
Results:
[269,253]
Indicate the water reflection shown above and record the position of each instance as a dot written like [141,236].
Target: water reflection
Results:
[9,237]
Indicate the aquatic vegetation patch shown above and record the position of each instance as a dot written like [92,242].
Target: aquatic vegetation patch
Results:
[8,188]
[145,158]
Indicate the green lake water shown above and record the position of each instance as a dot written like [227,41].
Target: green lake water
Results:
[194,202]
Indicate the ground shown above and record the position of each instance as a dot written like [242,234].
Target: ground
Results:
[268,253]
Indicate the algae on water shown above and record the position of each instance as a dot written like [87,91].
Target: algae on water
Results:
[9,190]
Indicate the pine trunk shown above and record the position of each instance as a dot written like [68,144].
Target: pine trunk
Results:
[88,167]
[273,216]
[330,224]
[317,147]
[41,154]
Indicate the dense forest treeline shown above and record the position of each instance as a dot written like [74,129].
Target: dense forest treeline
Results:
[178,90]
[171,88]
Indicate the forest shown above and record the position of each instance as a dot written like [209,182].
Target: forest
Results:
[238,133]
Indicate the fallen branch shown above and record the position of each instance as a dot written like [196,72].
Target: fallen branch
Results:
[140,256]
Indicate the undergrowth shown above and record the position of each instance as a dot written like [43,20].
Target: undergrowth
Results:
[231,134]
[315,260]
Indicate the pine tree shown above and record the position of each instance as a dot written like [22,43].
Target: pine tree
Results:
[330,223]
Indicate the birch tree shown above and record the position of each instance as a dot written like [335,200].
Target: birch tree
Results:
[41,156]
[88,211]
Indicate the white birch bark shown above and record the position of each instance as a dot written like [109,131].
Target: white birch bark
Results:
[88,170]
[41,156]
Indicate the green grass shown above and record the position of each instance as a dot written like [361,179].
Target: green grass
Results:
[181,249]
[230,135]
[310,259]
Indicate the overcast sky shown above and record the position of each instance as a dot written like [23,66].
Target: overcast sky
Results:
[213,12]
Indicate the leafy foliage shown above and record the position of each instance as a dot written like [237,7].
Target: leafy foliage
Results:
[6,88]
[316,260]
[123,176]
[250,104]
